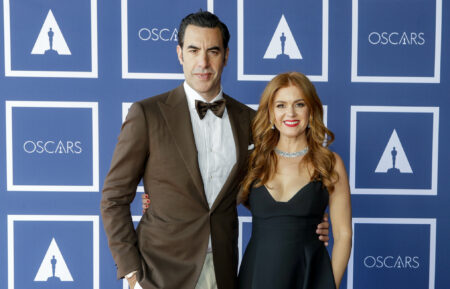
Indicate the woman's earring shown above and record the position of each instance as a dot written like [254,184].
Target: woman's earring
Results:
[273,126]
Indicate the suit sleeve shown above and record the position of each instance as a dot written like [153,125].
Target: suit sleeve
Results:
[119,190]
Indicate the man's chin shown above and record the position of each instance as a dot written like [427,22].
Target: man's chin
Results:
[203,89]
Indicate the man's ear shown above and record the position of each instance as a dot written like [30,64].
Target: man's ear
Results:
[225,60]
[180,54]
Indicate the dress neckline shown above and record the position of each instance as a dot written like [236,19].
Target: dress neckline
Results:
[293,196]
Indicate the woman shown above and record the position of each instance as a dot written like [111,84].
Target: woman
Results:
[292,177]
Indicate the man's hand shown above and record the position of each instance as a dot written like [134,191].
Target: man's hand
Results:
[323,231]
[145,202]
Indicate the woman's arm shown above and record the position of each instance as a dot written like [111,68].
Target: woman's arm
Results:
[341,221]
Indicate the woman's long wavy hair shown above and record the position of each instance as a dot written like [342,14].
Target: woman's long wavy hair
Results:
[263,160]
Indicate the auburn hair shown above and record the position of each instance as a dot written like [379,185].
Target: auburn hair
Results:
[262,162]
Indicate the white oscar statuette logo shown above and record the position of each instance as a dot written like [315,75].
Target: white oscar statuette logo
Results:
[283,44]
[50,40]
[53,267]
[394,160]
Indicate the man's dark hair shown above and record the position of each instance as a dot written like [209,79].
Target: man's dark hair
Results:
[203,19]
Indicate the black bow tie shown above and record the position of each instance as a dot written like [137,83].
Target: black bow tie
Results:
[217,107]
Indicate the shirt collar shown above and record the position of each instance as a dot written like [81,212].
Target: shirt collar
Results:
[193,95]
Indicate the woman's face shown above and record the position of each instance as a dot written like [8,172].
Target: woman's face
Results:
[290,112]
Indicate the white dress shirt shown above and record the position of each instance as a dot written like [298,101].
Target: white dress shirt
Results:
[215,146]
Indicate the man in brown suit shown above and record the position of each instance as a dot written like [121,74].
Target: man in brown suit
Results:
[191,165]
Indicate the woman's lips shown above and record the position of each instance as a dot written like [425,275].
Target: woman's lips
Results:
[291,123]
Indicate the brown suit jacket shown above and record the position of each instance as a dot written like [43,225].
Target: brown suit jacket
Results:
[168,247]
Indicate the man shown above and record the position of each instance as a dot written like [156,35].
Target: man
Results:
[191,156]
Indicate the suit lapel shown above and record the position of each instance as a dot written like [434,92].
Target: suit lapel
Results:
[178,119]
[239,126]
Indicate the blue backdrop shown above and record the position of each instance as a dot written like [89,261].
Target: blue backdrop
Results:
[72,68]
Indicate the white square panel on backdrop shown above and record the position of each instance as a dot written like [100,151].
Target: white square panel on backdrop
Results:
[56,242]
[405,52]
[385,246]
[53,52]
[292,45]
[147,34]
[51,154]
[394,150]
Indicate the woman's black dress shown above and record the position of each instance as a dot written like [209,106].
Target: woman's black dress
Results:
[284,251]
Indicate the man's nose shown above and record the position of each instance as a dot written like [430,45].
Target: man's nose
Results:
[203,60]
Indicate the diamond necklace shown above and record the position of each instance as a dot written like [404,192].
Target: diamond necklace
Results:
[291,155]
